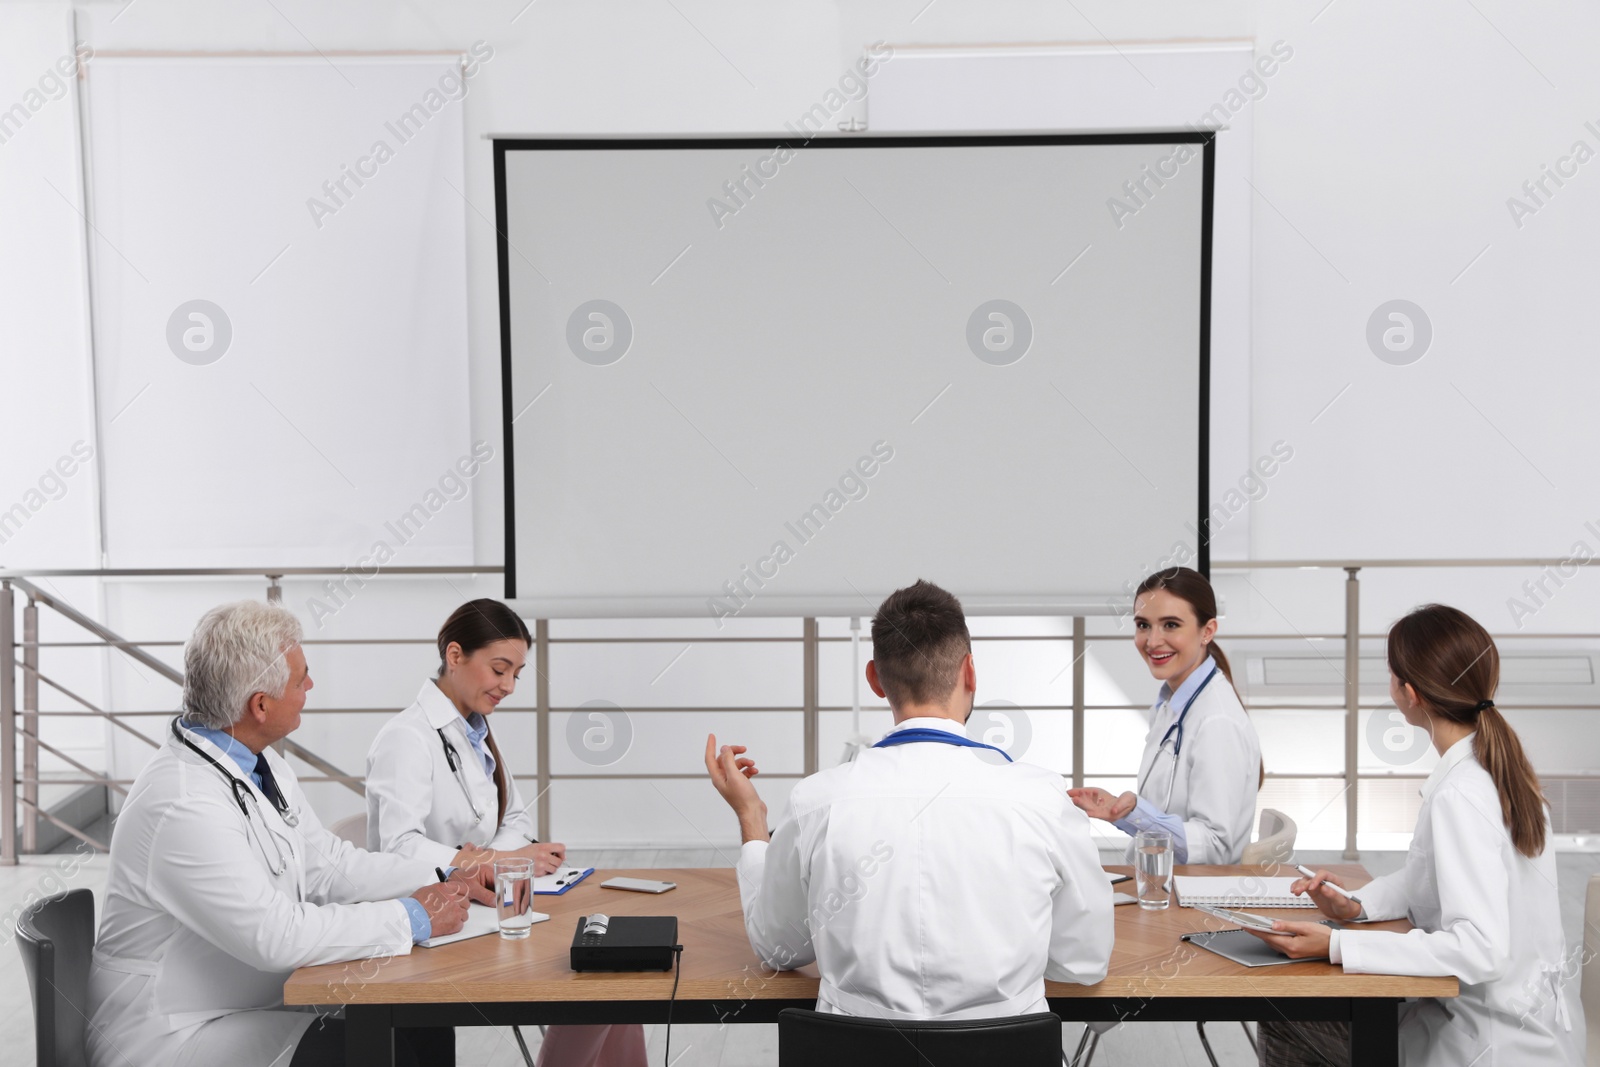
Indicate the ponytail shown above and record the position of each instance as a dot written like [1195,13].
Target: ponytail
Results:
[1499,750]
[502,781]
[1222,663]
[1452,664]
[1221,660]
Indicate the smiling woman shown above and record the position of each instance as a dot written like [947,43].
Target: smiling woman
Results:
[439,788]
[1201,766]
[437,783]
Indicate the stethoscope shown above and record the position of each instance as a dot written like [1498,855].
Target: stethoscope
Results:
[242,792]
[1175,734]
[453,758]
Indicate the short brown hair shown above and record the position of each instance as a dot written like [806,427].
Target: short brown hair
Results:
[919,638]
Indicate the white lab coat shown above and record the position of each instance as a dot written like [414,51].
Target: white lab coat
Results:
[929,883]
[416,805]
[1484,913]
[1214,780]
[197,935]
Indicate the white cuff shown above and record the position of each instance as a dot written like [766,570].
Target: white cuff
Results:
[1334,953]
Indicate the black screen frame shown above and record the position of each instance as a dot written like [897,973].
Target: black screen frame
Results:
[1206,139]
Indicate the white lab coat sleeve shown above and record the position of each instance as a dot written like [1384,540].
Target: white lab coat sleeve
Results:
[772,891]
[400,791]
[206,872]
[1082,919]
[338,872]
[1474,941]
[1223,779]
[1384,898]
[517,829]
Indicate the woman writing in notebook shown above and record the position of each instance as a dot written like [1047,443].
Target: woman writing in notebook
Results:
[1201,766]
[1479,883]
[438,788]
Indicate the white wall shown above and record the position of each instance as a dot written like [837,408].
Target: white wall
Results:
[1385,152]
[49,511]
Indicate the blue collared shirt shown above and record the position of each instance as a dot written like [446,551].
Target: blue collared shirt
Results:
[421,925]
[231,748]
[1145,815]
[477,730]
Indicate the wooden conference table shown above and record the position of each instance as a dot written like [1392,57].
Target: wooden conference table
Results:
[490,981]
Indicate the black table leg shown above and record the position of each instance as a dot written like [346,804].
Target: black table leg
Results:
[368,1035]
[1374,1032]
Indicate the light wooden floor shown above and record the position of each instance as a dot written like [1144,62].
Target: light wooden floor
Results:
[1171,1044]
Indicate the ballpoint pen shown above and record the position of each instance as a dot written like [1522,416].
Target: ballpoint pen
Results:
[1341,890]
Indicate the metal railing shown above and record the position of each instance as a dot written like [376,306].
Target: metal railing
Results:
[21,791]
[21,720]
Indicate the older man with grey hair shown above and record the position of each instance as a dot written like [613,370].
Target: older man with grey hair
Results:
[223,881]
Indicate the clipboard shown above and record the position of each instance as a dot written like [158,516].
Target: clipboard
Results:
[561,880]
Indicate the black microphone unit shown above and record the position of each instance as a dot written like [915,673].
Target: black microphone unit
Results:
[624,943]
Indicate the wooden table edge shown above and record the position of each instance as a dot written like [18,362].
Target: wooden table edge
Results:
[331,984]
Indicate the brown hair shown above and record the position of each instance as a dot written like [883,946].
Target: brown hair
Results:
[1450,661]
[1192,588]
[474,625]
[919,638]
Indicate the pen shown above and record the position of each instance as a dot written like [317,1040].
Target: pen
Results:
[1341,890]
[440,872]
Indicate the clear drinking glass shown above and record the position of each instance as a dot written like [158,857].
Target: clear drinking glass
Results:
[513,894]
[1152,857]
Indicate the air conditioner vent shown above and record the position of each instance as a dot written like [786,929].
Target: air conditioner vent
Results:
[1574,804]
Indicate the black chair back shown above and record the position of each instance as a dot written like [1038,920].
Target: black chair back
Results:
[810,1038]
[56,937]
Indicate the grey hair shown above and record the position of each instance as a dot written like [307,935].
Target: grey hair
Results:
[237,651]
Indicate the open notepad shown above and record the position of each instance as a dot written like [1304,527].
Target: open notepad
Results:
[481,919]
[1233,891]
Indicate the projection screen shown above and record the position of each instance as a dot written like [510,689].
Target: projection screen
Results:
[751,377]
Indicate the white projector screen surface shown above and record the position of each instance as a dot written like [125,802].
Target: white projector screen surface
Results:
[954,358]
[280,360]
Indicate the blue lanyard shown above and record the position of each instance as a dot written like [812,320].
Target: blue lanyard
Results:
[943,737]
[1177,726]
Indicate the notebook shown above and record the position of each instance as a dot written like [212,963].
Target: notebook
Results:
[1234,891]
[481,919]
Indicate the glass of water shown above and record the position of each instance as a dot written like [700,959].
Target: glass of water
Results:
[1152,855]
[513,894]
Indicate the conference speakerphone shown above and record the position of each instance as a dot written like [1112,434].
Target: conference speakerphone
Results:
[625,943]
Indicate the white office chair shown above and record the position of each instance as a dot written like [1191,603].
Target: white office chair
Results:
[353,829]
[1589,991]
[1274,841]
